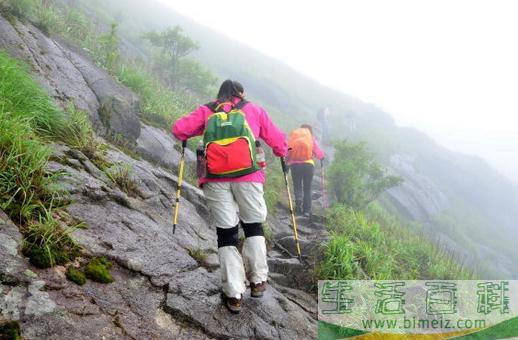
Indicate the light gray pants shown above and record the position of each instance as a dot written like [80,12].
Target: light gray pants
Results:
[229,203]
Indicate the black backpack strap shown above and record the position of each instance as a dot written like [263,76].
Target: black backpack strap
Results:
[212,106]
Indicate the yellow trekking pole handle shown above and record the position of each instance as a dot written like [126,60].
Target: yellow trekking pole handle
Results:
[179,185]
[293,219]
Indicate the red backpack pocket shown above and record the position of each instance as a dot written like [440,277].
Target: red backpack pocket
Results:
[229,156]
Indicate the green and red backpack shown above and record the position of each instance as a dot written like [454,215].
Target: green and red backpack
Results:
[229,142]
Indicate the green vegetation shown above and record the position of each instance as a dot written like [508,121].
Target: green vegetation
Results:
[79,134]
[10,331]
[122,175]
[167,91]
[373,245]
[48,242]
[98,270]
[75,275]
[268,234]
[355,178]
[161,106]
[30,195]
[108,55]
[198,254]
[275,186]
[27,117]
[175,71]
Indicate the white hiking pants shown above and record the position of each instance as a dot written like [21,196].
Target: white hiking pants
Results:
[230,203]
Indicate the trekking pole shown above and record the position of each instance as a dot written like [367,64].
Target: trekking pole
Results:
[293,220]
[179,185]
[324,192]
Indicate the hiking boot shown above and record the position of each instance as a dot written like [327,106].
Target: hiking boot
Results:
[308,215]
[257,290]
[233,304]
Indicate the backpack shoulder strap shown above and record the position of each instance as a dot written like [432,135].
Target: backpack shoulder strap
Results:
[212,106]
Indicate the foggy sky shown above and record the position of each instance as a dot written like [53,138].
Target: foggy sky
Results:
[449,68]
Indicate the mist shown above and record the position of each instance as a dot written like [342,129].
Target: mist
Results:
[447,69]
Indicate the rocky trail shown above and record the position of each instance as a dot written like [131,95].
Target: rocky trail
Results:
[159,291]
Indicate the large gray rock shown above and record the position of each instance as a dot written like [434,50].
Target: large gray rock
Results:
[119,107]
[417,197]
[158,146]
[12,265]
[136,233]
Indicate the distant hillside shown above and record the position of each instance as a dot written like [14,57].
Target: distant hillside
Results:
[462,201]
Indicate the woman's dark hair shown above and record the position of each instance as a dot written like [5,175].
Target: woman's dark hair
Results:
[307,126]
[228,90]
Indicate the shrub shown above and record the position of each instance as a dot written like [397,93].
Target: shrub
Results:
[98,270]
[355,178]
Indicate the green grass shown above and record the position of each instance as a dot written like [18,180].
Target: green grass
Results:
[198,254]
[47,242]
[28,193]
[78,133]
[27,119]
[374,245]
[122,175]
[275,186]
[161,106]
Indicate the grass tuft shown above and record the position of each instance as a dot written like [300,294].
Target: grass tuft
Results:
[198,254]
[47,241]
[122,175]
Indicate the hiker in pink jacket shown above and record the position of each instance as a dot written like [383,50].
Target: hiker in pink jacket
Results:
[238,199]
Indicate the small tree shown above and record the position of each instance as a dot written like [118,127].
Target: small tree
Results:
[356,179]
[173,45]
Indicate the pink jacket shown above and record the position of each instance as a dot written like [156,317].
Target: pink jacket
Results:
[317,152]
[262,127]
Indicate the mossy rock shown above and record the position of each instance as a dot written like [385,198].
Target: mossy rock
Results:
[10,331]
[76,276]
[98,270]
